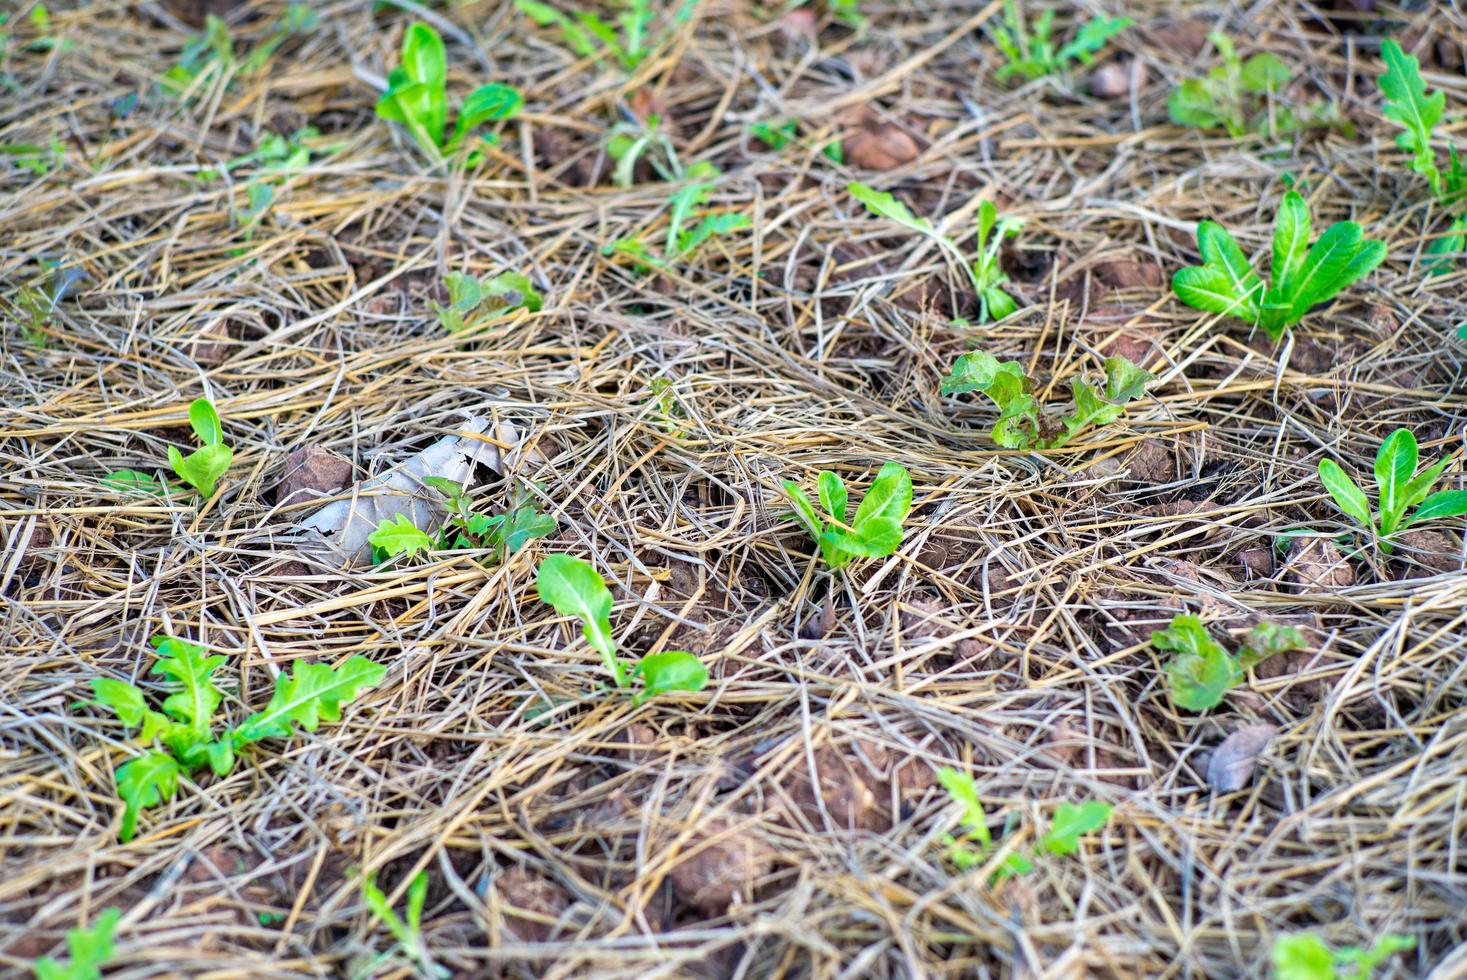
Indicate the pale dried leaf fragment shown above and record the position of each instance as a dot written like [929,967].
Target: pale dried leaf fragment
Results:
[1232,763]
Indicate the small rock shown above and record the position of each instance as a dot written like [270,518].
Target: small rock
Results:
[1383,322]
[1258,561]
[1426,553]
[1118,78]
[879,146]
[798,23]
[1316,565]
[637,736]
[1152,462]
[1232,763]
[1134,344]
[211,347]
[534,904]
[724,863]
[843,788]
[1186,38]
[1129,274]
[311,471]
[819,626]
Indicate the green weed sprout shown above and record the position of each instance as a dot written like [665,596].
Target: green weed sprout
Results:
[1409,105]
[409,935]
[778,135]
[211,55]
[875,531]
[202,468]
[573,588]
[90,950]
[696,183]
[1400,488]
[499,294]
[465,529]
[1304,956]
[417,97]
[589,36]
[1069,824]
[1237,95]
[1021,423]
[1302,276]
[1033,55]
[1201,671]
[181,737]
[983,271]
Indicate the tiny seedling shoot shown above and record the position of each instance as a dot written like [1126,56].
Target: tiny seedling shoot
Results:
[90,950]
[1021,423]
[417,97]
[1304,956]
[1302,276]
[1238,96]
[588,35]
[983,271]
[497,294]
[574,588]
[409,934]
[180,738]
[1399,489]
[205,465]
[1201,671]
[875,531]
[464,530]
[1032,54]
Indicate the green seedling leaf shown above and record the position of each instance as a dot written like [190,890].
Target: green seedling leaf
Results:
[883,205]
[205,422]
[1302,957]
[1019,424]
[1266,640]
[885,505]
[1202,671]
[125,700]
[832,494]
[90,951]
[1071,823]
[133,481]
[962,789]
[674,670]
[488,103]
[313,694]
[451,489]
[1408,104]
[513,290]
[398,535]
[1193,104]
[519,527]
[185,664]
[576,38]
[709,226]
[1264,72]
[1290,243]
[1364,961]
[148,780]
[804,510]
[1443,503]
[574,588]
[1395,465]
[1091,38]
[1348,497]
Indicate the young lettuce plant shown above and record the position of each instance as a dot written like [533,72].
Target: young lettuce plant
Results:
[90,950]
[589,36]
[181,736]
[1400,488]
[697,182]
[417,97]
[983,271]
[202,468]
[1021,424]
[875,531]
[1304,956]
[1302,276]
[1408,104]
[503,533]
[1238,96]
[573,588]
[1069,824]
[1032,56]
[500,294]
[1202,671]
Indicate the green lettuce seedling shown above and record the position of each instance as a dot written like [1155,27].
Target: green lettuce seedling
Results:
[574,588]
[875,531]
[417,97]
[202,468]
[1069,824]
[1032,56]
[1021,424]
[464,529]
[500,294]
[409,934]
[181,736]
[983,271]
[1304,956]
[1237,95]
[1302,276]
[1400,488]
[1408,104]
[90,950]
[1202,671]
[589,36]
[695,185]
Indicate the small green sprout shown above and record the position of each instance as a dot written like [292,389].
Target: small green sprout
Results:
[983,271]
[1238,96]
[1202,671]
[205,58]
[1302,276]
[39,159]
[1032,56]
[90,950]
[574,588]
[875,531]
[205,465]
[1069,824]
[409,935]
[1304,956]
[398,535]
[696,183]
[1021,424]
[1400,489]
[500,294]
[184,727]
[504,534]
[777,136]
[589,36]
[417,97]
[1408,104]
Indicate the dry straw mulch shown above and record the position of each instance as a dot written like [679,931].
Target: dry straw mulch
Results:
[785,822]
